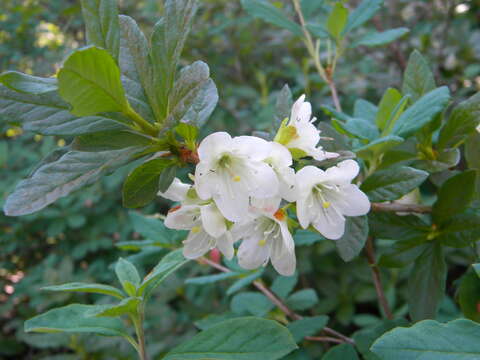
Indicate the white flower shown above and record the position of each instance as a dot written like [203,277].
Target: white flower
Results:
[266,237]
[325,197]
[299,134]
[280,160]
[208,228]
[232,170]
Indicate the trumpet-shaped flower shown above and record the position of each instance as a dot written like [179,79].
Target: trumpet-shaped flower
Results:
[231,170]
[326,197]
[266,237]
[300,135]
[208,228]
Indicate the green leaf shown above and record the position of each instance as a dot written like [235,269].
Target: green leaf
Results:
[166,178]
[303,299]
[88,288]
[168,38]
[319,31]
[152,228]
[28,84]
[378,147]
[283,107]
[365,110]
[284,285]
[431,340]
[136,69]
[101,20]
[111,140]
[251,303]
[128,275]
[476,267]
[392,226]
[381,38]
[210,279]
[142,184]
[364,12]
[389,101]
[462,122]
[308,326]
[188,132]
[237,339]
[337,20]
[418,78]
[392,183]
[444,160]
[354,238]
[74,319]
[472,155]
[426,284]
[341,352]
[194,96]
[454,196]
[358,128]
[421,112]
[169,263]
[403,252]
[244,281]
[90,81]
[307,237]
[59,178]
[469,295]
[269,13]
[125,307]
[460,230]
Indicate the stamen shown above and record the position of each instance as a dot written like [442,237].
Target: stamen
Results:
[262,242]
[279,215]
[196,229]
[326,204]
[236,178]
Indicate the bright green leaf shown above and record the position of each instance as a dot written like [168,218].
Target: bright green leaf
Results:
[336,21]
[127,274]
[389,101]
[88,288]
[125,307]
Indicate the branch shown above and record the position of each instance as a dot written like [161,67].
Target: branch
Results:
[397,207]
[283,307]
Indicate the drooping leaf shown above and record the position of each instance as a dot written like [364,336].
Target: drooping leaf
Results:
[90,81]
[426,284]
[101,20]
[454,196]
[421,112]
[307,326]
[393,183]
[364,12]
[237,339]
[27,84]
[418,78]
[142,184]
[269,13]
[354,238]
[59,178]
[462,122]
[74,319]
[88,288]
[381,38]
[431,340]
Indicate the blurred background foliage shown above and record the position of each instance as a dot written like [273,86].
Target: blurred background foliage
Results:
[75,239]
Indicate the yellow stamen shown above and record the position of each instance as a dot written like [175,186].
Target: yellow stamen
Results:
[326,204]
[236,178]
[262,242]
[196,229]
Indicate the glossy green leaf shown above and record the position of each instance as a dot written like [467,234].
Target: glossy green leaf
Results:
[362,13]
[454,196]
[28,84]
[337,20]
[88,288]
[269,13]
[418,78]
[378,146]
[111,140]
[426,283]
[341,352]
[101,20]
[237,339]
[62,176]
[125,307]
[354,238]
[90,81]
[386,225]
[392,183]
[307,326]
[128,275]
[74,319]
[169,263]
[422,112]
[389,101]
[142,184]
[462,122]
[431,340]
[381,38]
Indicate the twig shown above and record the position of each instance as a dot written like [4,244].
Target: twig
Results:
[396,207]
[282,306]
[324,339]
[382,300]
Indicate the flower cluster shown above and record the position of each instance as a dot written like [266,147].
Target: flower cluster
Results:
[241,183]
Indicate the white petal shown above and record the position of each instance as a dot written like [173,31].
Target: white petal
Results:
[212,220]
[266,206]
[283,260]
[308,136]
[279,156]
[262,182]
[205,181]
[225,245]
[233,207]
[307,177]
[301,110]
[352,201]
[286,236]
[344,171]
[251,254]
[183,218]
[254,147]
[288,184]
[197,244]
[177,191]
[329,223]
[213,145]
[305,211]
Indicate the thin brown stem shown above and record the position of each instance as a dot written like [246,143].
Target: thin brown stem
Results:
[396,207]
[279,303]
[324,339]
[382,300]
[336,100]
